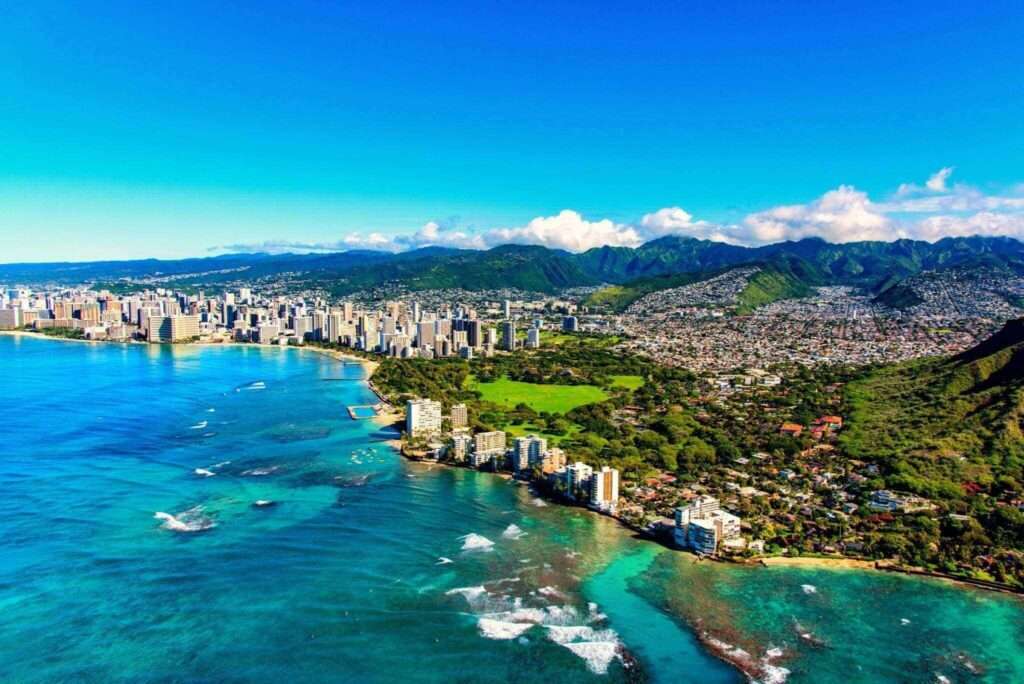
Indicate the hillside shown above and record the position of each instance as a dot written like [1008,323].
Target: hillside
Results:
[782,278]
[942,427]
[874,265]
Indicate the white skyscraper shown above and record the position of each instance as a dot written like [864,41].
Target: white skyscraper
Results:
[422,418]
[604,490]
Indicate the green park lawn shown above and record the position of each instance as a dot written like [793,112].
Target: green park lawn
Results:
[550,398]
[630,382]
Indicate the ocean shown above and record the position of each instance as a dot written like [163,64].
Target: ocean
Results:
[213,514]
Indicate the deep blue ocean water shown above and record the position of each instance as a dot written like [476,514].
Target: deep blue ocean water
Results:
[187,514]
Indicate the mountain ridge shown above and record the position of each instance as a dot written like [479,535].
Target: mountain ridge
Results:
[869,264]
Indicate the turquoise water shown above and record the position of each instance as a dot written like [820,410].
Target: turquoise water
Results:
[213,514]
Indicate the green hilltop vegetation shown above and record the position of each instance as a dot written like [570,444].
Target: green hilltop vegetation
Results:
[783,278]
[946,427]
[872,265]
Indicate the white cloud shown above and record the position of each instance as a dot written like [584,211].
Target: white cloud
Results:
[841,215]
[678,221]
[440,235]
[982,223]
[926,212]
[937,181]
[566,230]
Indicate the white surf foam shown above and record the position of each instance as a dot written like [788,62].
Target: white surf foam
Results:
[497,629]
[443,560]
[513,531]
[203,472]
[476,542]
[260,472]
[809,588]
[192,520]
[598,655]
[201,425]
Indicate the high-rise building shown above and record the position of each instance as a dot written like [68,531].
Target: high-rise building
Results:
[425,334]
[459,416]
[488,447]
[461,445]
[702,525]
[507,310]
[533,338]
[172,328]
[508,336]
[475,334]
[570,324]
[577,478]
[528,452]
[422,418]
[604,490]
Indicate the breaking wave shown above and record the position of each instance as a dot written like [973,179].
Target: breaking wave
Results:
[476,542]
[192,520]
[513,531]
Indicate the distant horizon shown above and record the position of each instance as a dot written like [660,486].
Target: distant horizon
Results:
[428,247]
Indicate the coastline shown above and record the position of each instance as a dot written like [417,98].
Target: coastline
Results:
[389,415]
[40,336]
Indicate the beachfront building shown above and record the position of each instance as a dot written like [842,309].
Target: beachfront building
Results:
[577,478]
[462,445]
[459,417]
[422,418]
[604,490]
[488,447]
[173,328]
[702,525]
[528,452]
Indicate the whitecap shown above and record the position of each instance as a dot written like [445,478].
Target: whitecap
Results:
[904,621]
[809,588]
[476,542]
[201,425]
[211,410]
[203,472]
[442,560]
[468,593]
[513,531]
[598,655]
[497,629]
[192,520]
[260,472]
[263,503]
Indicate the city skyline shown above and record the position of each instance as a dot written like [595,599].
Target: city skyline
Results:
[157,133]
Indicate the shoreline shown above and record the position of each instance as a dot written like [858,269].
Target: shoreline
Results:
[818,562]
[391,416]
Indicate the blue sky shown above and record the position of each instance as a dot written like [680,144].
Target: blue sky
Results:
[167,129]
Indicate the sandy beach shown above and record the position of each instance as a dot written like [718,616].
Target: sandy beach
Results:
[819,561]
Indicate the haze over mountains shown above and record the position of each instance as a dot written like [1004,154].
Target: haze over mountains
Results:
[874,265]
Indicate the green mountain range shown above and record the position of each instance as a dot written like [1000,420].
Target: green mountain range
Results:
[665,262]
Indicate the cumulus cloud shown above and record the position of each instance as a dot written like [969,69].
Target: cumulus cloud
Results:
[937,181]
[982,223]
[930,212]
[841,215]
[678,221]
[567,230]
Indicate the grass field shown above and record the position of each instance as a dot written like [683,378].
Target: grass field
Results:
[631,382]
[557,339]
[550,398]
